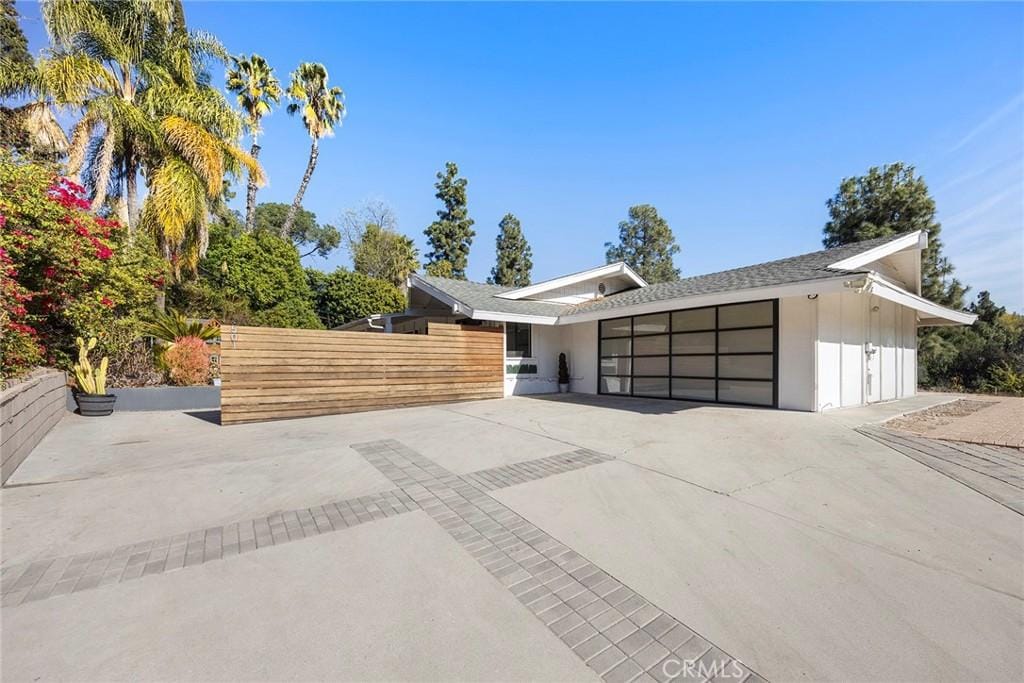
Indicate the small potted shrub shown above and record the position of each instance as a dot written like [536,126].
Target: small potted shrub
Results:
[563,374]
[91,384]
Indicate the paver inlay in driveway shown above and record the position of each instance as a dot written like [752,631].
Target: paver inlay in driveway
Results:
[788,540]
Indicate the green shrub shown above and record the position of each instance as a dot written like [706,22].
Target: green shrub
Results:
[263,270]
[345,295]
[66,272]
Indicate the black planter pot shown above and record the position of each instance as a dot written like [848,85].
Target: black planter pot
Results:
[95,405]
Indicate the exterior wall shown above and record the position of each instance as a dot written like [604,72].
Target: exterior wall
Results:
[29,410]
[797,334]
[849,324]
[581,341]
[545,345]
[578,343]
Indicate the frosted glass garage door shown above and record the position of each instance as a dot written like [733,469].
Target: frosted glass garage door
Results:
[720,354]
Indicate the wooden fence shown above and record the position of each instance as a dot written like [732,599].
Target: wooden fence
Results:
[270,373]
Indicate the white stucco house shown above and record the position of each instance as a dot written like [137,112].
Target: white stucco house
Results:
[829,329]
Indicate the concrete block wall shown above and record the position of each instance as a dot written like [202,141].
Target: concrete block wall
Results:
[28,411]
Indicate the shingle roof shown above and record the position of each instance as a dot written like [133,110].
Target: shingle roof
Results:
[803,268]
[481,297]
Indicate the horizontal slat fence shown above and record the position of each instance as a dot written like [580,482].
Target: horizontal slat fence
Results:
[269,373]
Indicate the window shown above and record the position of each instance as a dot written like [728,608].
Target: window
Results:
[721,354]
[517,340]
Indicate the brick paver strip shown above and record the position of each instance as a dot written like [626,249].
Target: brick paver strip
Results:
[52,577]
[1000,468]
[593,613]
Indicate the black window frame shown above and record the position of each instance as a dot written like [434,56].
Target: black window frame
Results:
[717,354]
[509,338]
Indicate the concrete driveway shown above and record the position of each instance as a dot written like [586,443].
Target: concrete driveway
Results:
[561,538]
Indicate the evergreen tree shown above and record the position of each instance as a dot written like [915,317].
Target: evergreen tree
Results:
[646,244]
[888,201]
[513,262]
[451,235]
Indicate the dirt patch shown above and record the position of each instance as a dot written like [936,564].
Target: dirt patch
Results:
[924,421]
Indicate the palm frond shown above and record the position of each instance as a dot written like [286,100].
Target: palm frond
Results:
[173,325]
[202,150]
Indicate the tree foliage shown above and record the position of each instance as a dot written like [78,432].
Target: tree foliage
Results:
[257,90]
[65,272]
[138,77]
[886,201]
[646,244]
[377,248]
[263,270]
[322,108]
[451,235]
[346,295]
[305,233]
[986,356]
[513,260]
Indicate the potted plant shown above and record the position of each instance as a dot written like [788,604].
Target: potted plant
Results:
[91,384]
[563,374]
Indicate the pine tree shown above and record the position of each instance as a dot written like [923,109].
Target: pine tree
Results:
[888,201]
[451,235]
[646,244]
[513,261]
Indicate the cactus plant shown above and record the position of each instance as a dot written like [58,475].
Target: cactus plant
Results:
[89,380]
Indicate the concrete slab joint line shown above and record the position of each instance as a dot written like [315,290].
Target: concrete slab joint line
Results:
[619,634]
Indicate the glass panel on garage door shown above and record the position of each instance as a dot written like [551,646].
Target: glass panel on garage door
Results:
[724,354]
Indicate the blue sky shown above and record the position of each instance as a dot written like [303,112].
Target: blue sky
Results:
[737,121]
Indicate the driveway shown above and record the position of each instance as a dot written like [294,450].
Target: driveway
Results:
[560,538]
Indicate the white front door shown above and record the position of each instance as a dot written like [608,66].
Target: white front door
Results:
[873,353]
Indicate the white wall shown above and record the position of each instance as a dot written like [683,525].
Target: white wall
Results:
[545,345]
[847,322]
[797,333]
[580,340]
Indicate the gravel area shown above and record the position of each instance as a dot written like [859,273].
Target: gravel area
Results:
[924,421]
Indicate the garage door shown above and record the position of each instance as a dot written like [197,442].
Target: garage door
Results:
[721,354]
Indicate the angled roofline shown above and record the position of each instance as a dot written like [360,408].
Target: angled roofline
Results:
[617,268]
[933,314]
[918,238]
[477,314]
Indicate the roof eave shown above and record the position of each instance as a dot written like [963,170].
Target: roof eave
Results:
[617,268]
[918,239]
[816,286]
[931,313]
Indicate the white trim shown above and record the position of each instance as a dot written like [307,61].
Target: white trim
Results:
[515,318]
[935,314]
[834,284]
[918,239]
[440,295]
[618,268]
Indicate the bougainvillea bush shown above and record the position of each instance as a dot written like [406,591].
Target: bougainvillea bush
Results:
[65,272]
[187,361]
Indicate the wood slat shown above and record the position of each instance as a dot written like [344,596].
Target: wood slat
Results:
[269,373]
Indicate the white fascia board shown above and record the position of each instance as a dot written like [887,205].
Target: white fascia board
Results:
[931,312]
[469,312]
[443,297]
[515,318]
[618,268]
[822,286]
[918,239]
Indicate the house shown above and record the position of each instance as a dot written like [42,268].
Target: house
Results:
[829,329]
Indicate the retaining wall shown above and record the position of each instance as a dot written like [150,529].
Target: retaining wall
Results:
[28,411]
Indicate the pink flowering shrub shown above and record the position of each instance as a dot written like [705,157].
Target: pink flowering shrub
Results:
[188,361]
[64,272]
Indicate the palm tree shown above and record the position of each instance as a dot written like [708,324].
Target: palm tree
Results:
[321,108]
[136,74]
[253,80]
